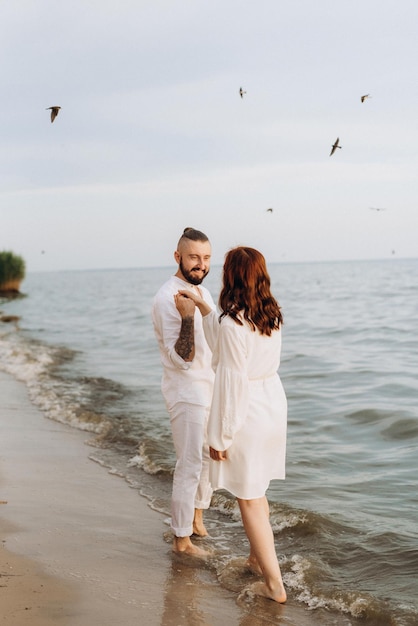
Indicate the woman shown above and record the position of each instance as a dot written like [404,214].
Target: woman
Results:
[248,416]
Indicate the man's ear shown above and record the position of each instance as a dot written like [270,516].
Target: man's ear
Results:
[177,257]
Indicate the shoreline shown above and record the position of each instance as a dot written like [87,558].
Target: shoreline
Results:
[79,546]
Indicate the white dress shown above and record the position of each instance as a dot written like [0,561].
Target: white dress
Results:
[248,415]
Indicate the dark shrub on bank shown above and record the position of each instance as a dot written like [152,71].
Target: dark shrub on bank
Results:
[12,272]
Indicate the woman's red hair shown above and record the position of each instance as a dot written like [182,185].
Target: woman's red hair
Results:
[246,290]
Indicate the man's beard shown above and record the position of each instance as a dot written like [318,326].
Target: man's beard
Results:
[194,280]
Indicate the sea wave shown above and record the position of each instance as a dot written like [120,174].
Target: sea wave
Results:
[37,365]
[344,519]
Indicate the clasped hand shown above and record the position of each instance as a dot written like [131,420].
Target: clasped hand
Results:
[185,306]
[194,298]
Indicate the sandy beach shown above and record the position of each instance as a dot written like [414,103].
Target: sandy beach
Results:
[79,546]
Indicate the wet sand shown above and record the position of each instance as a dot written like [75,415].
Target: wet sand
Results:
[78,545]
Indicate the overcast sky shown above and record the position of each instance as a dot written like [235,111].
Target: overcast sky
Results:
[153,135]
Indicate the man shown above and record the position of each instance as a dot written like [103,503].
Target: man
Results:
[187,385]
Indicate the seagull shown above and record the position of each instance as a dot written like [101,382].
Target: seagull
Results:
[335,146]
[54,112]
[375,208]
[363,98]
[241,92]
[269,210]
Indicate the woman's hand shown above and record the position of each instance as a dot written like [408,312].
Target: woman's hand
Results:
[185,306]
[217,455]
[201,304]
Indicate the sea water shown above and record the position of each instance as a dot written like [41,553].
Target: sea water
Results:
[345,519]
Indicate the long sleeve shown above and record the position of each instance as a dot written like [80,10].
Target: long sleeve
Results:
[211,328]
[229,407]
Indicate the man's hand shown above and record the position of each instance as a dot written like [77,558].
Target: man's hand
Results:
[185,306]
[201,304]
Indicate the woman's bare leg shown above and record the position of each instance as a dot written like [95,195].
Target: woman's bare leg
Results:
[252,563]
[256,521]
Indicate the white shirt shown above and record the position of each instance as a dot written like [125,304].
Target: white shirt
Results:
[241,356]
[182,381]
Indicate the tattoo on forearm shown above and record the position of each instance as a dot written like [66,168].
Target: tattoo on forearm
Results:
[185,343]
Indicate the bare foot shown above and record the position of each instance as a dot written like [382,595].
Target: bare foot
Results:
[183,545]
[276,593]
[252,564]
[199,528]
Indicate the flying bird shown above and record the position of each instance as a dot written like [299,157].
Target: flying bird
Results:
[269,210]
[375,208]
[54,112]
[363,98]
[241,92]
[335,146]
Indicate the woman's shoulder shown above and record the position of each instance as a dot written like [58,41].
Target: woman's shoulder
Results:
[228,322]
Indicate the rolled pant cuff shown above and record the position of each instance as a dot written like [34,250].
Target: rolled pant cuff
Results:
[199,504]
[183,532]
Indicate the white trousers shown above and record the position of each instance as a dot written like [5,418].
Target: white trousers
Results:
[191,487]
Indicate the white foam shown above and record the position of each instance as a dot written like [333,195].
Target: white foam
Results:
[30,362]
[142,461]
